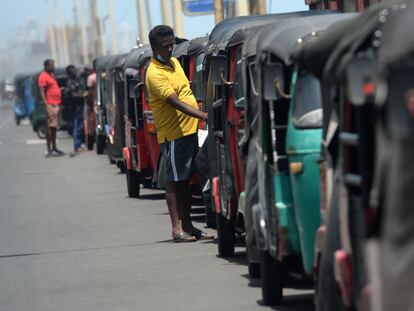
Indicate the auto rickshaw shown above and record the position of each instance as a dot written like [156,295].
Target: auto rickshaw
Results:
[226,122]
[38,117]
[23,98]
[142,151]
[390,247]
[101,101]
[115,110]
[287,216]
[345,60]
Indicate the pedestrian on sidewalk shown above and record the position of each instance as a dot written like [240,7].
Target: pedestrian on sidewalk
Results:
[52,99]
[76,98]
[176,118]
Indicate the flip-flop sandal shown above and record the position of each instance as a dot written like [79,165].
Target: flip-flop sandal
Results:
[200,235]
[184,237]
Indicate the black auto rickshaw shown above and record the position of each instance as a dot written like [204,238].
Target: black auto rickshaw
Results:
[101,101]
[115,110]
[345,60]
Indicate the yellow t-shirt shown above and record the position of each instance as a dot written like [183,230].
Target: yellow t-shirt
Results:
[162,81]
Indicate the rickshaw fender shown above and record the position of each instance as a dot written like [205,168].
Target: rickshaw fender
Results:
[259,227]
[127,157]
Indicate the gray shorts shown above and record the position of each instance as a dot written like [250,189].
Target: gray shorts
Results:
[179,157]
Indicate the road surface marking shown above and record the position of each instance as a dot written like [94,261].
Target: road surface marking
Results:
[35,141]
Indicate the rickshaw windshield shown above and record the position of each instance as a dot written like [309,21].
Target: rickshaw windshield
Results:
[307,102]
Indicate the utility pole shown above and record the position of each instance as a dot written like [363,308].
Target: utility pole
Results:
[84,49]
[114,43]
[218,11]
[51,30]
[141,15]
[165,8]
[95,30]
[64,36]
[178,18]
[100,29]
[242,8]
[257,7]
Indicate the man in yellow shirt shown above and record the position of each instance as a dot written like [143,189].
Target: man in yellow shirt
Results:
[176,116]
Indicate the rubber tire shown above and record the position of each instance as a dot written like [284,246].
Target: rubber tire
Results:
[147,183]
[133,185]
[41,130]
[90,141]
[121,166]
[226,237]
[210,217]
[100,144]
[254,270]
[271,271]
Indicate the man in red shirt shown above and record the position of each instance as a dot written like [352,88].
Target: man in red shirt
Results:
[52,98]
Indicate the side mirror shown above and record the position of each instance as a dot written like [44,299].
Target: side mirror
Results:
[219,69]
[273,81]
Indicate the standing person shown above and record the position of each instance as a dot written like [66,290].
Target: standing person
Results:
[52,99]
[176,118]
[77,93]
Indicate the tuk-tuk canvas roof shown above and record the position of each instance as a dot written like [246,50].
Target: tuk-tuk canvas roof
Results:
[100,63]
[191,47]
[116,61]
[249,47]
[232,31]
[323,54]
[397,40]
[281,37]
[135,57]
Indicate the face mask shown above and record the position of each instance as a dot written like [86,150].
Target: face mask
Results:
[159,57]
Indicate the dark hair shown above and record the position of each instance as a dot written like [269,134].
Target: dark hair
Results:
[47,62]
[159,32]
[70,67]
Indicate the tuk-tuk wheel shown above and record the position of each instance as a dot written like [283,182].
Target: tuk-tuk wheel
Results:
[254,270]
[17,120]
[132,178]
[121,166]
[100,144]
[271,271]
[41,130]
[226,236]
[89,141]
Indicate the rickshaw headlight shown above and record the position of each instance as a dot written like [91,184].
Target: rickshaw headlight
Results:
[296,167]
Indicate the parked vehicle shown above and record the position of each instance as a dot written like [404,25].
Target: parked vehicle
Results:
[115,141]
[287,214]
[226,120]
[141,153]
[38,117]
[23,97]
[390,241]
[101,101]
[345,60]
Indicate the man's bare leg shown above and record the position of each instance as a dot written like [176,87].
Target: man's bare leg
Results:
[53,137]
[48,140]
[172,202]
[184,200]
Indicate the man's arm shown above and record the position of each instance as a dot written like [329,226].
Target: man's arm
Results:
[184,108]
[43,95]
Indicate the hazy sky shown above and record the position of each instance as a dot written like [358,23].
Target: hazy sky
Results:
[15,13]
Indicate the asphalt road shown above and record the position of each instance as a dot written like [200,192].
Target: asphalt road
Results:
[71,239]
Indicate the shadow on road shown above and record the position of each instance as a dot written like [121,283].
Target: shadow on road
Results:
[301,302]
[152,196]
